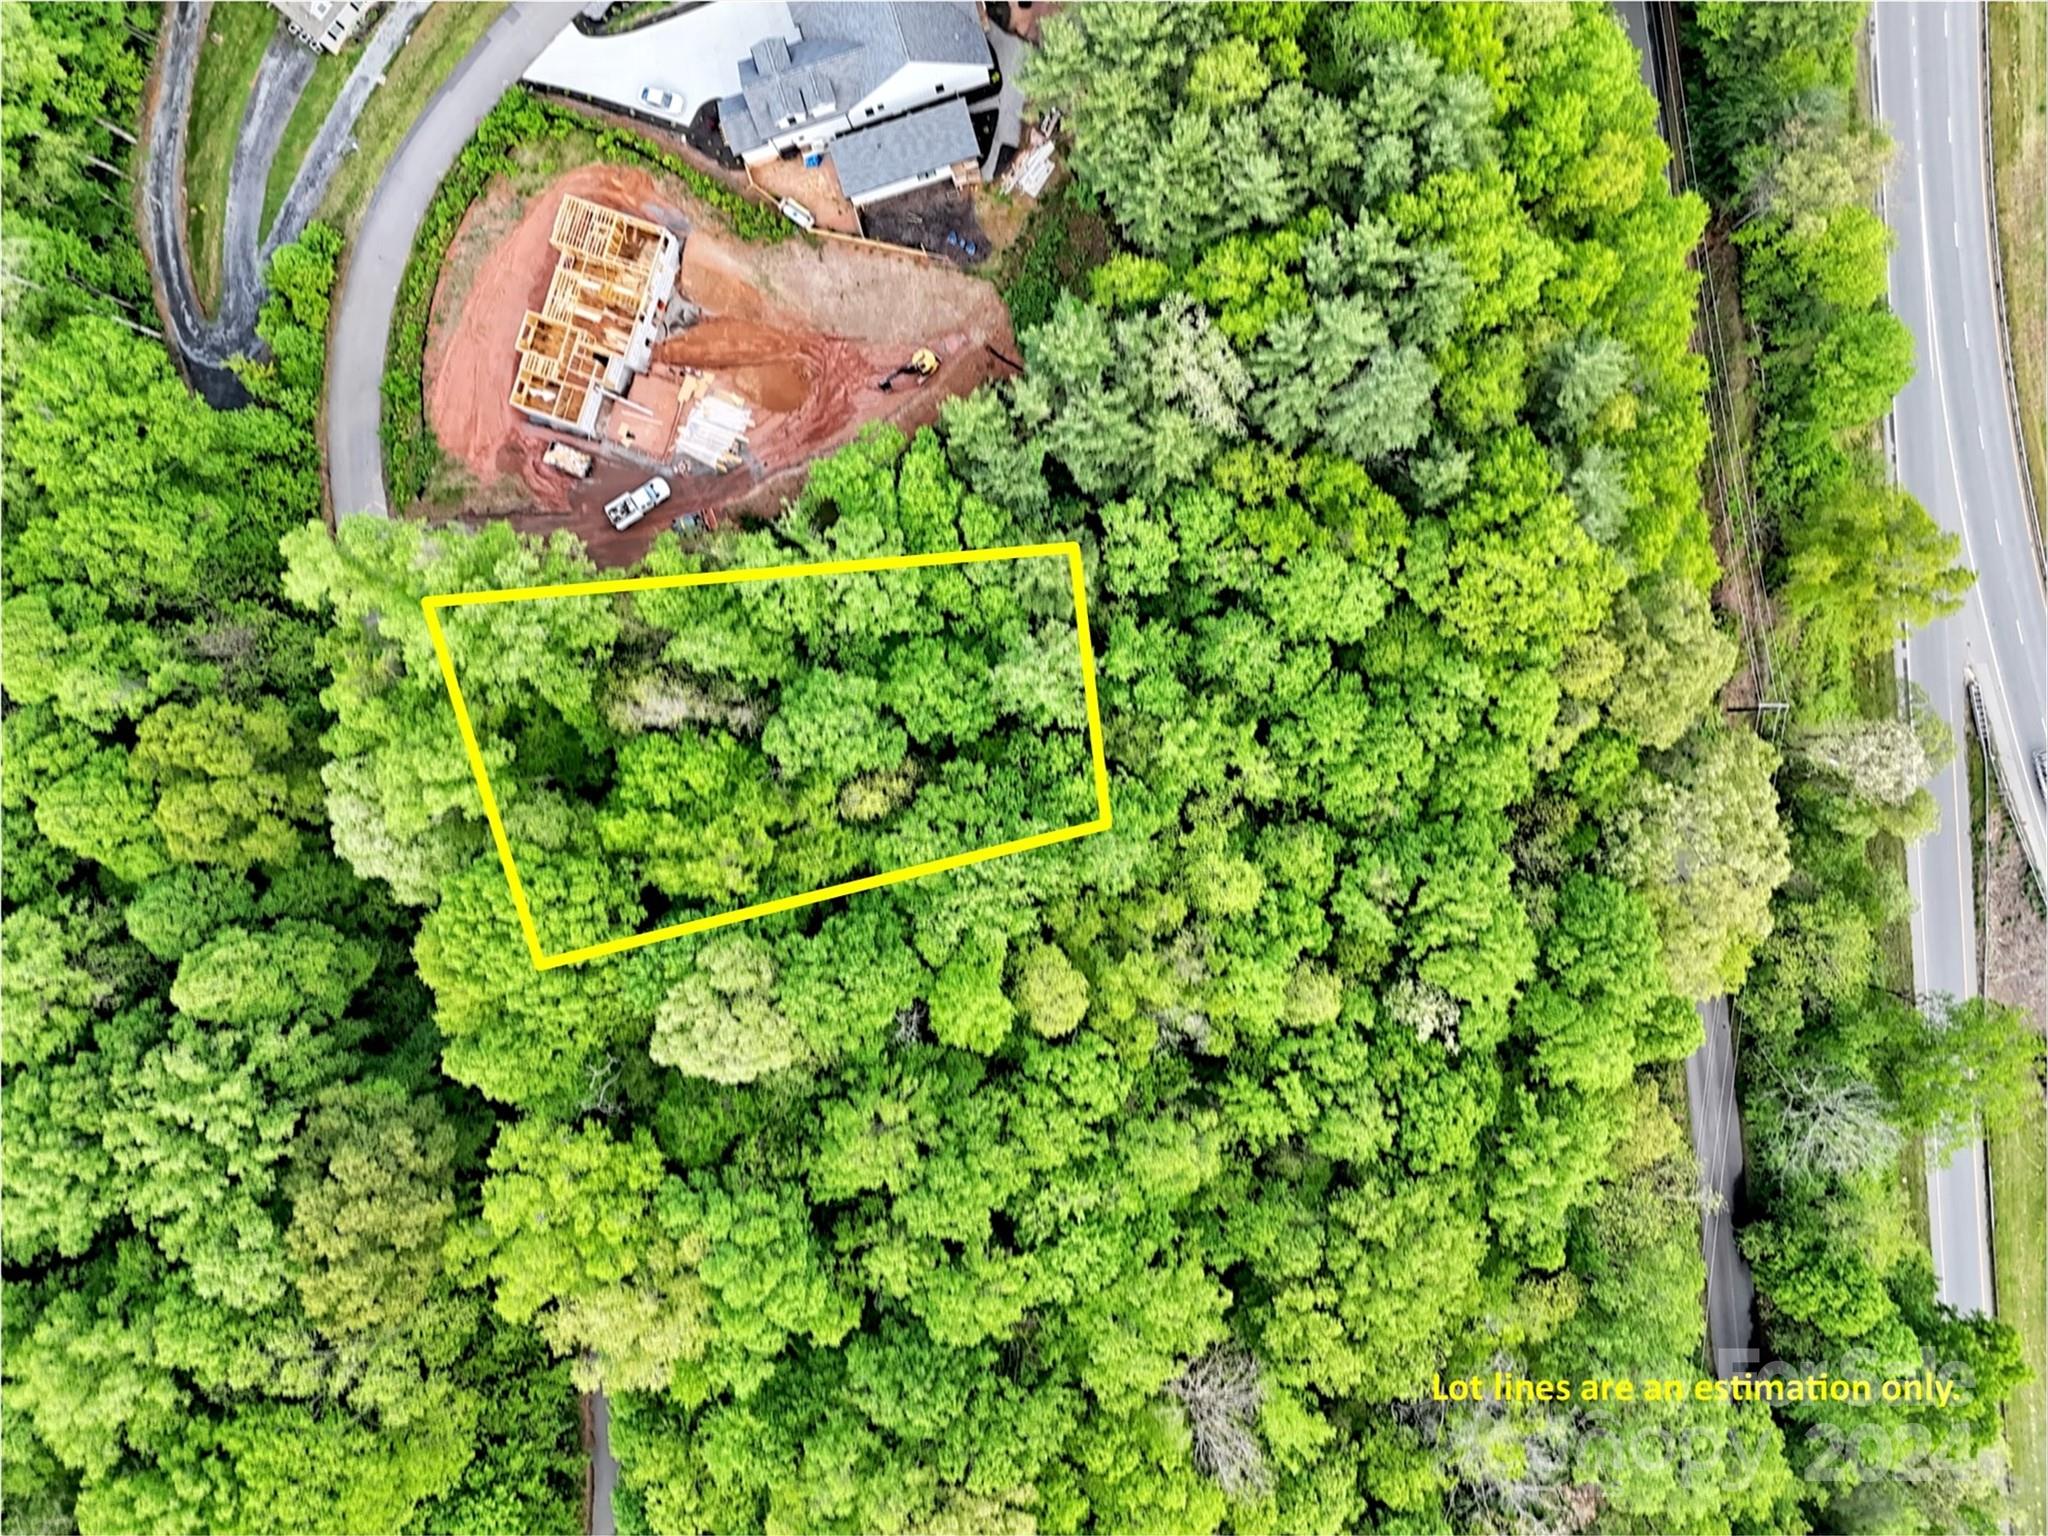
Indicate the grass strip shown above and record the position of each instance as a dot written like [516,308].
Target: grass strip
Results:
[329,76]
[229,54]
[2019,158]
[438,43]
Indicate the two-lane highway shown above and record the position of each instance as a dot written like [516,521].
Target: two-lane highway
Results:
[1957,452]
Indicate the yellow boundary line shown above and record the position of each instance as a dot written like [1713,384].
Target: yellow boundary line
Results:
[432,606]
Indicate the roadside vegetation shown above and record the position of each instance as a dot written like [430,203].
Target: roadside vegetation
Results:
[438,43]
[231,1161]
[2013,923]
[1145,1182]
[330,74]
[229,54]
[2019,146]
[2019,1173]
[1843,1068]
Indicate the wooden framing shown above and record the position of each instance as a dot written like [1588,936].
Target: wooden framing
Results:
[597,325]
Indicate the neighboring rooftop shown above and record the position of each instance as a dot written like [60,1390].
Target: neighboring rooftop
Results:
[693,54]
[322,24]
[846,52]
[903,150]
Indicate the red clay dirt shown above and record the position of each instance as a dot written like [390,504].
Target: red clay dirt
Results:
[801,331]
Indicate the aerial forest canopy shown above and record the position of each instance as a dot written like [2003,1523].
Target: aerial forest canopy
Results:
[231,1158]
[1143,1182]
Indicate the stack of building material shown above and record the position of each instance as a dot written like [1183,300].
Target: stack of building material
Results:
[1030,171]
[716,432]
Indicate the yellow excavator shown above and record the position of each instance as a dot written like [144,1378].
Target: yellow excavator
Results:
[924,362]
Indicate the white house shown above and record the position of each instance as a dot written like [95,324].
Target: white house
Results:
[323,24]
[877,83]
[854,66]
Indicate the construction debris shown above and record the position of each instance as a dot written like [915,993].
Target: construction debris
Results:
[570,461]
[715,433]
[1030,171]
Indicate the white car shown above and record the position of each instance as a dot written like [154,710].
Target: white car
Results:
[662,101]
[634,505]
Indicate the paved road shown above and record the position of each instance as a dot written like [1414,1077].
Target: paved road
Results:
[1717,1143]
[604,1468]
[1710,1070]
[209,343]
[376,263]
[1957,453]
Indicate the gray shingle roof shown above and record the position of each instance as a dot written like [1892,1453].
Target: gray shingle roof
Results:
[737,123]
[848,48]
[902,147]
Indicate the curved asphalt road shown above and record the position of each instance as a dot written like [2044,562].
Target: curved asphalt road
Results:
[369,293]
[208,344]
[1958,453]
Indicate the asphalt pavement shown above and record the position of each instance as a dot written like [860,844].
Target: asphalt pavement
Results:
[378,254]
[1710,1100]
[209,343]
[1957,452]
[1717,1144]
[604,1468]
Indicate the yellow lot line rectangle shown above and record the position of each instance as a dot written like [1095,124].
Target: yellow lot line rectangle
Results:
[544,961]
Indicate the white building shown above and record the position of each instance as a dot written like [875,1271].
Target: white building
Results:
[323,24]
[852,67]
[882,78]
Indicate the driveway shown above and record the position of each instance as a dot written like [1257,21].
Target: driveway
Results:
[361,326]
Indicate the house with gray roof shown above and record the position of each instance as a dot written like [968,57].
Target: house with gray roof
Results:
[878,83]
[323,24]
[907,152]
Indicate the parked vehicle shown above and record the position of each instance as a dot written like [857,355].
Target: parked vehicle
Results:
[628,509]
[2041,772]
[689,522]
[662,101]
[797,213]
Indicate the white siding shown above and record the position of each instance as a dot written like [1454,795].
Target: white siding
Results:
[916,85]
[898,188]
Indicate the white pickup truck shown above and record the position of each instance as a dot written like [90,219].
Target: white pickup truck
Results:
[628,509]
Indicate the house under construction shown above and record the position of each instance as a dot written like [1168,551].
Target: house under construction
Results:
[601,318]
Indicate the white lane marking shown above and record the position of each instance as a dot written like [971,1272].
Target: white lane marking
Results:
[2016,629]
[2009,434]
[1978,1214]
[1995,528]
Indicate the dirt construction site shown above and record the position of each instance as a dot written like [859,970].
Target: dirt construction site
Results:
[773,353]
